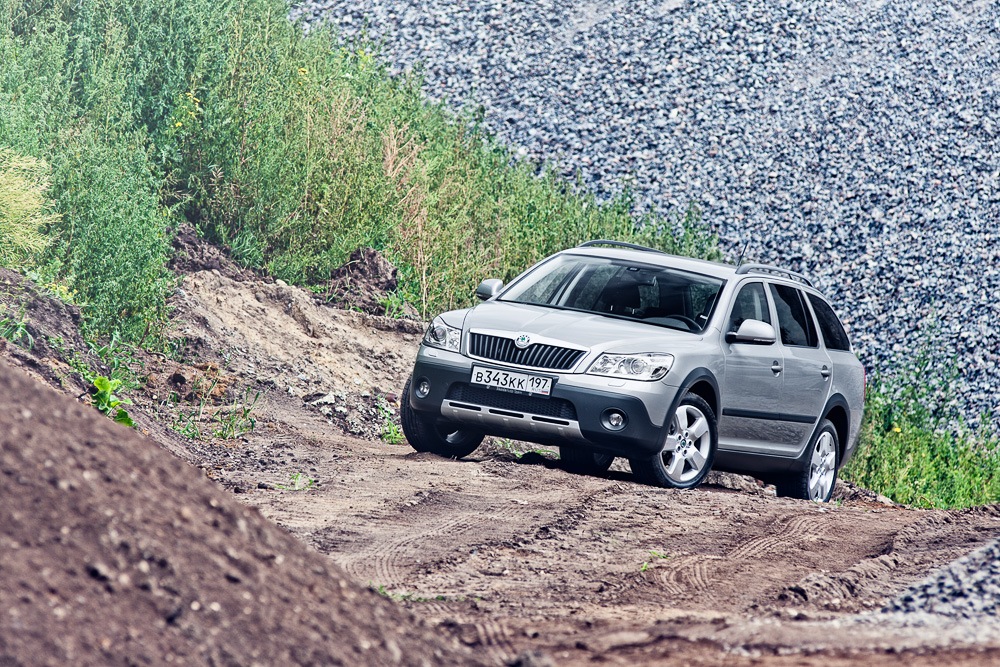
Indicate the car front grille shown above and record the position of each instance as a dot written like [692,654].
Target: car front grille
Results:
[535,356]
[533,405]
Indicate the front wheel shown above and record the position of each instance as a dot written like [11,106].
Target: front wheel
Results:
[688,449]
[425,434]
[583,461]
[816,481]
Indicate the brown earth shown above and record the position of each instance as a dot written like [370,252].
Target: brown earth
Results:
[115,551]
[505,553]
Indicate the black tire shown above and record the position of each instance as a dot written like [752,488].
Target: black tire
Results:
[692,456]
[822,460]
[583,461]
[426,434]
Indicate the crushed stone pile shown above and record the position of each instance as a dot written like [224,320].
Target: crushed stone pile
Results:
[853,141]
[968,588]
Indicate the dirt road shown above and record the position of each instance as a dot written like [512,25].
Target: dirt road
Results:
[515,557]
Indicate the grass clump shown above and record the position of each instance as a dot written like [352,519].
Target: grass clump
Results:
[918,455]
[25,211]
[297,481]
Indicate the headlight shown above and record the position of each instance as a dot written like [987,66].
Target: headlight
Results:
[441,335]
[648,366]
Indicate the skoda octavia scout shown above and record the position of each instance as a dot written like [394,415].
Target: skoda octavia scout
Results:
[679,365]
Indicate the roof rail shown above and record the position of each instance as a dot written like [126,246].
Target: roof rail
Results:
[619,244]
[773,270]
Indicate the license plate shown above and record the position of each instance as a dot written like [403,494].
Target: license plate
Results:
[522,383]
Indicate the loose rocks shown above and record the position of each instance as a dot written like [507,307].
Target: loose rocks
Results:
[969,588]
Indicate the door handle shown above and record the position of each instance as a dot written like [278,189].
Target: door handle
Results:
[776,368]
[825,372]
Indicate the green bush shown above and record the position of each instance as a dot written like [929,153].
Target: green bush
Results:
[65,96]
[113,244]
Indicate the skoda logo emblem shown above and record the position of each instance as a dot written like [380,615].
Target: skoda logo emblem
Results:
[522,341]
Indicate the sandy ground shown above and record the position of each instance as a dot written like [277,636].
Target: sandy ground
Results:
[512,557]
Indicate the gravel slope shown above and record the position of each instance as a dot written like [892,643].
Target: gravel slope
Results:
[856,141]
[968,588]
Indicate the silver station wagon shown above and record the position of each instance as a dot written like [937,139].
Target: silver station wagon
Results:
[679,365]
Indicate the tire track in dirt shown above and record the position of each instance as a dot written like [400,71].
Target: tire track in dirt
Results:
[553,519]
[689,575]
[496,639]
[785,531]
[431,532]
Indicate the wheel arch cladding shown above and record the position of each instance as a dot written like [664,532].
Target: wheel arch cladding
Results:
[836,412]
[703,384]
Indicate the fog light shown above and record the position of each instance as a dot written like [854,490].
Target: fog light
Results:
[423,389]
[614,420]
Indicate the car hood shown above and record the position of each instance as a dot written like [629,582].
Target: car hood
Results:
[597,332]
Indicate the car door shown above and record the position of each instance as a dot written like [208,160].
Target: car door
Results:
[807,369]
[752,387]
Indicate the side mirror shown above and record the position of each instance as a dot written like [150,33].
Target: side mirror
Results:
[753,332]
[489,288]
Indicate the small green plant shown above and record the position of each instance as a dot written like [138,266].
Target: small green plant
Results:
[393,304]
[517,451]
[653,555]
[186,423]
[121,359]
[16,331]
[391,431]
[238,419]
[297,481]
[105,400]
[411,597]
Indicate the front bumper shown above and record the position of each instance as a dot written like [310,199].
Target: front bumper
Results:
[571,415]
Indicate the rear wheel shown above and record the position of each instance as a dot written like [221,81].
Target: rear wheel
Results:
[426,434]
[816,481]
[583,461]
[688,449]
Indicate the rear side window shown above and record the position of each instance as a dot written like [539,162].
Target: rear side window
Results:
[750,304]
[829,325]
[794,321]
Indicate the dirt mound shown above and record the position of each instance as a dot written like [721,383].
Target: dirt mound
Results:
[193,253]
[282,336]
[44,334]
[366,283]
[116,552]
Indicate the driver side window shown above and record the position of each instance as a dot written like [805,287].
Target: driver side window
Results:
[750,304]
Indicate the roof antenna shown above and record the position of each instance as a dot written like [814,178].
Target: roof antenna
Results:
[742,254]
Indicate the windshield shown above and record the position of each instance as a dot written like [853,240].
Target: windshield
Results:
[652,294]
